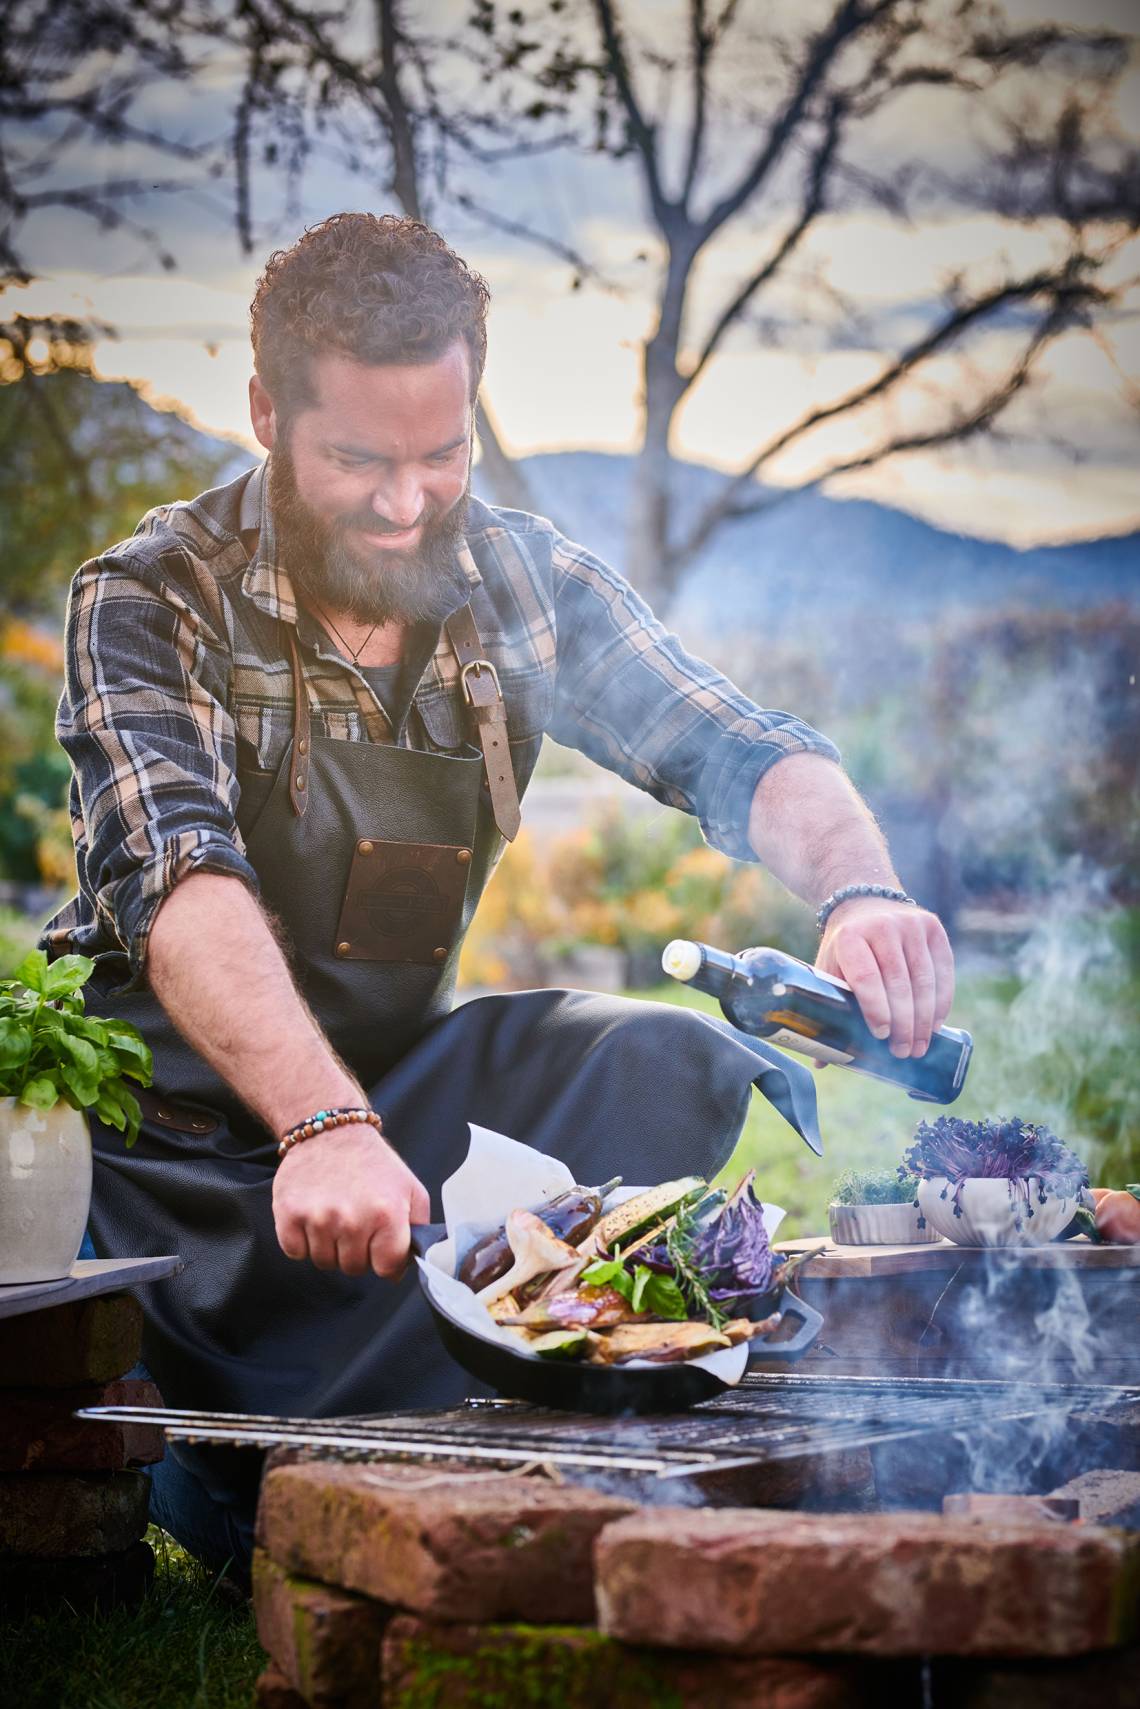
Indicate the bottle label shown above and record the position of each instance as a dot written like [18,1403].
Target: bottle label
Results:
[789,1040]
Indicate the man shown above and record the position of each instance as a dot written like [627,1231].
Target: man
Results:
[283,826]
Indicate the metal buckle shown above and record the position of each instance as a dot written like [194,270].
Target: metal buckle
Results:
[478,665]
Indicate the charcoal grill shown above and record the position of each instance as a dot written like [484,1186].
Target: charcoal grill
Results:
[733,1449]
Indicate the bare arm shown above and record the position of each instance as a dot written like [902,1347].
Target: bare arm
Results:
[811,828]
[343,1198]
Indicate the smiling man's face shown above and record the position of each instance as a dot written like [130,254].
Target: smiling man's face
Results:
[368,484]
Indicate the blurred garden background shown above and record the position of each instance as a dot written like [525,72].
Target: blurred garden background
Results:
[819,322]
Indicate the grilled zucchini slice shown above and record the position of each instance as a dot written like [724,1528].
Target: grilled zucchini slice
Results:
[627,1222]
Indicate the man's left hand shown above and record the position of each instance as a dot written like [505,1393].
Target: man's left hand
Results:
[898,961]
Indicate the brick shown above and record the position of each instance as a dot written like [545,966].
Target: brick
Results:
[453,1545]
[1104,1681]
[273,1691]
[52,1513]
[535,1667]
[90,1341]
[39,1430]
[894,1584]
[325,1642]
[86,1584]
[1107,1497]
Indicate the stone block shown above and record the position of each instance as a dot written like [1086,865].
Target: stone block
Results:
[1107,1497]
[53,1513]
[90,1341]
[273,1691]
[455,1545]
[574,1667]
[325,1642]
[92,1584]
[40,1432]
[893,1584]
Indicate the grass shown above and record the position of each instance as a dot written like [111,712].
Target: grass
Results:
[185,1647]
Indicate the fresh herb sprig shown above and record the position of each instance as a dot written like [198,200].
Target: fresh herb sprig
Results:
[51,1050]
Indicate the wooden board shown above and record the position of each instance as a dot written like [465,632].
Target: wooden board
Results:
[944,1255]
[89,1276]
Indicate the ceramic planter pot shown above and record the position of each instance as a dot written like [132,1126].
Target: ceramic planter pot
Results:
[878,1225]
[994,1212]
[45,1190]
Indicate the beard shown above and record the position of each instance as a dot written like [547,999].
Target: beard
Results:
[417,586]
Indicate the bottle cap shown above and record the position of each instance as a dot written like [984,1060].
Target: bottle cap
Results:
[682,959]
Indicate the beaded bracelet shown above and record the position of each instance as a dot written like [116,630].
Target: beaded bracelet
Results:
[849,891]
[324,1119]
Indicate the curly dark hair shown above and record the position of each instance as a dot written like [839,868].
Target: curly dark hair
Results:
[374,287]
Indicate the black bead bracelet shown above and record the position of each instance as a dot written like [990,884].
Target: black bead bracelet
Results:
[849,891]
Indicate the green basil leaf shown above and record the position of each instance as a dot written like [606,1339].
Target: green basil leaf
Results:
[88,1026]
[66,974]
[662,1296]
[129,1105]
[15,1042]
[42,1093]
[84,1086]
[33,970]
[83,1054]
[109,1109]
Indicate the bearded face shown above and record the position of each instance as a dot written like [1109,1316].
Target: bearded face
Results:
[330,562]
[368,483]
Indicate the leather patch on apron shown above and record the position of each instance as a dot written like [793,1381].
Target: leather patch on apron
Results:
[402,902]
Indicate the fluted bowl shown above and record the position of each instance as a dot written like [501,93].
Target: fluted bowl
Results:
[993,1211]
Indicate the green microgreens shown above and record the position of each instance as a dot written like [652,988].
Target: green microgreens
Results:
[646,1290]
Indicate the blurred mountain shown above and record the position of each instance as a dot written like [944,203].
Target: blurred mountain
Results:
[812,559]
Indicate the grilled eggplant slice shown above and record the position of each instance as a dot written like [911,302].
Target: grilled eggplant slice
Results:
[577,1308]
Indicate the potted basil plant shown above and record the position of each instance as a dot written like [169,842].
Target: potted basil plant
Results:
[873,1207]
[55,1063]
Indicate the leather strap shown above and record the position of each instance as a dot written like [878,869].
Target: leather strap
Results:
[480,683]
[302,744]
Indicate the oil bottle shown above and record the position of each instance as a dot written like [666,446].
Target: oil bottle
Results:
[776,997]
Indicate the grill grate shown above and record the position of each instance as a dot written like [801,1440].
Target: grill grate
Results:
[768,1419]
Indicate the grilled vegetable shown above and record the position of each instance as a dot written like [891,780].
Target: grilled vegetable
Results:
[718,1253]
[536,1253]
[561,1344]
[577,1308]
[569,1216]
[664,1343]
[618,1228]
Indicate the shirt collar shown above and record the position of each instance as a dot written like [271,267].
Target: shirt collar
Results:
[266,583]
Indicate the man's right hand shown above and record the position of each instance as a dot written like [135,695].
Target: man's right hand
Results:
[345,1200]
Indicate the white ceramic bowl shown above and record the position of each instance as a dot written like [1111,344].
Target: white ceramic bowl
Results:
[992,1210]
[878,1225]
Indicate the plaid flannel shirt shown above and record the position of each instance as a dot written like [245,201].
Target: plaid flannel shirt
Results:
[178,674]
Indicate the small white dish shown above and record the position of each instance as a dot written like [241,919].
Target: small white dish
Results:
[994,1211]
[878,1225]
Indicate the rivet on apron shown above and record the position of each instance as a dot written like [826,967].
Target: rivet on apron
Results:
[462,856]
[439,954]
[163,1115]
[364,846]
[300,781]
[343,949]
[302,746]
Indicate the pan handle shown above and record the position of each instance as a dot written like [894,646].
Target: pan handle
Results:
[425,1235]
[810,1321]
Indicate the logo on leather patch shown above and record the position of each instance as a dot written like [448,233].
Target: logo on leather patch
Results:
[403,901]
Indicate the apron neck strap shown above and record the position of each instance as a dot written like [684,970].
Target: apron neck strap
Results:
[480,683]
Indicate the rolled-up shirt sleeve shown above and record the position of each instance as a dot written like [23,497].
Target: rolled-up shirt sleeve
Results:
[630,696]
[144,721]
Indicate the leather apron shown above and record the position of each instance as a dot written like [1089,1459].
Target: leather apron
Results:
[373,857]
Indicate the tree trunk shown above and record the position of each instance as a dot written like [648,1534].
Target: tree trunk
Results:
[651,510]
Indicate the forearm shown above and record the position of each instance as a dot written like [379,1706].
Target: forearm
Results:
[221,976]
[812,829]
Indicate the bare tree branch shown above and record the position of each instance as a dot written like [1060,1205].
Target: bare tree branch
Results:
[642,134]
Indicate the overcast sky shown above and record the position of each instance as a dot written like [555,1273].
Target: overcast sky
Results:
[563,364]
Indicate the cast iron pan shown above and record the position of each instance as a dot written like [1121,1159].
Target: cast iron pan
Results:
[569,1387]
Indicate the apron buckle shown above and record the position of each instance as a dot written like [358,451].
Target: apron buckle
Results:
[478,666]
